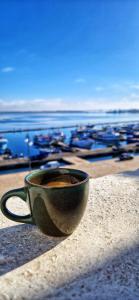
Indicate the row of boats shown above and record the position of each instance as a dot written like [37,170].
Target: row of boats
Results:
[82,137]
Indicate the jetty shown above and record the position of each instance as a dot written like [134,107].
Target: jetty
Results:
[23,162]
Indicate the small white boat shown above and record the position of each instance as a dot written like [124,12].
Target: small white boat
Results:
[50,165]
[3,143]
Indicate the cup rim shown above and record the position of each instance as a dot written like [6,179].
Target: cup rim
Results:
[56,169]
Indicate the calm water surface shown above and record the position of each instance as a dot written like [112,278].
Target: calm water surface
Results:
[34,120]
[31,120]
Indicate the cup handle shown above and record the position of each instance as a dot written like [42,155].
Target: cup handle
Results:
[21,193]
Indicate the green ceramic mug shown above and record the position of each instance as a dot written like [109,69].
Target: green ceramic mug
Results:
[55,210]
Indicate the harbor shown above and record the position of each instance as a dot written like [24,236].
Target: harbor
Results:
[18,163]
[88,143]
[69,150]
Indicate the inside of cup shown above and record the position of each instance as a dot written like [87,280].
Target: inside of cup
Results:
[70,176]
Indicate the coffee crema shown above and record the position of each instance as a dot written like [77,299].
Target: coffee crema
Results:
[61,181]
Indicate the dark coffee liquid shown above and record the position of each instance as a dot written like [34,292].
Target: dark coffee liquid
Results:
[61,181]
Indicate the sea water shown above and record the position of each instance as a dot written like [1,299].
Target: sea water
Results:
[16,120]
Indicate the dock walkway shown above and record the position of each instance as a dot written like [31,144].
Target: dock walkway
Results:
[23,162]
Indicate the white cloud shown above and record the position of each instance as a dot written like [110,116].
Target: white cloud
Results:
[7,69]
[115,86]
[31,105]
[125,86]
[122,87]
[128,102]
[80,80]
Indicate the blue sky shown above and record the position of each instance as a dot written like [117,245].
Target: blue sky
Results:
[69,54]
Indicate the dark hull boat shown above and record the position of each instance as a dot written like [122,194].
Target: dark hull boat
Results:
[58,136]
[81,143]
[46,140]
[42,140]
[131,140]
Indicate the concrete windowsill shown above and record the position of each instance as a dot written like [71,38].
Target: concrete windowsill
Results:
[100,260]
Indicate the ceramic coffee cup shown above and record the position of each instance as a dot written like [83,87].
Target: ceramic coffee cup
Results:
[55,210]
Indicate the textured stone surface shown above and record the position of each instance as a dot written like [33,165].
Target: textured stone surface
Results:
[100,260]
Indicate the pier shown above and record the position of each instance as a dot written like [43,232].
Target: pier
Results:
[64,156]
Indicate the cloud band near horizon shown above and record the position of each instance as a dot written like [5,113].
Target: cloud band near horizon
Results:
[129,102]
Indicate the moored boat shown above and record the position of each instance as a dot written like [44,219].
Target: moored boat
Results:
[81,143]
[136,134]
[132,139]
[3,143]
[82,132]
[50,165]
[108,136]
[42,140]
[58,136]
[45,140]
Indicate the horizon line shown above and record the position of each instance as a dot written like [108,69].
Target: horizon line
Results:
[72,111]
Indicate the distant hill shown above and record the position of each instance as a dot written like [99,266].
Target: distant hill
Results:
[122,111]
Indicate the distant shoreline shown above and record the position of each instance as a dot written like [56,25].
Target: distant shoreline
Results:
[118,111]
[123,111]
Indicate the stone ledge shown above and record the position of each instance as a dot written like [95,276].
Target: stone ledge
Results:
[100,260]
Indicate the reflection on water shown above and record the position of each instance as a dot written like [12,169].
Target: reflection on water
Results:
[92,159]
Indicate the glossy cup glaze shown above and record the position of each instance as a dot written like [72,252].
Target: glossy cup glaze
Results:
[55,210]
